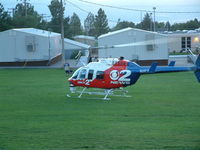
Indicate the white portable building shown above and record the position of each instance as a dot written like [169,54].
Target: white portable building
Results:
[29,46]
[141,46]
[76,53]
[179,41]
[89,40]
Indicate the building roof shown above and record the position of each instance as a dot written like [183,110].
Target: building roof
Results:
[115,32]
[84,37]
[196,31]
[37,32]
[124,30]
[76,43]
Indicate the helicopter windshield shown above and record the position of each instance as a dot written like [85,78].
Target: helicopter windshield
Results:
[76,73]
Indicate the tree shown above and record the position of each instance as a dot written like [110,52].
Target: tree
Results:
[160,26]
[5,19]
[189,25]
[101,23]
[167,26]
[67,27]
[146,23]
[25,16]
[124,24]
[56,8]
[43,25]
[75,25]
[89,25]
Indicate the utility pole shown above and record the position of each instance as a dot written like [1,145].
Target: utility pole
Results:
[141,19]
[154,19]
[11,10]
[62,31]
[49,51]
[25,5]
[151,21]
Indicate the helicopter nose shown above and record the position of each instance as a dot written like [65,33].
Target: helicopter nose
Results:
[72,87]
[71,83]
[70,80]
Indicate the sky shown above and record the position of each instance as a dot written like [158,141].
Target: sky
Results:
[82,8]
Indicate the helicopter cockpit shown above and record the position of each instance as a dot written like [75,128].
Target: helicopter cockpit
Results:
[86,73]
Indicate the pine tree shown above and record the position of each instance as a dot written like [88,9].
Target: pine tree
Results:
[75,25]
[26,16]
[55,8]
[101,23]
[146,22]
[5,19]
[89,25]
[167,26]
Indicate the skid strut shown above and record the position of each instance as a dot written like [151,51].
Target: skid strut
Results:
[82,92]
[105,93]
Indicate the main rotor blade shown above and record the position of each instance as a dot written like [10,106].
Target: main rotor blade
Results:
[141,43]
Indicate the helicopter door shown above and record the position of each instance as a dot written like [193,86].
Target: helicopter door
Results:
[90,74]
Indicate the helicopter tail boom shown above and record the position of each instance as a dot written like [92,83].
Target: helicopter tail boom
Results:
[197,70]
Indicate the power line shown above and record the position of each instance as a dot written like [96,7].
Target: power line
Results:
[116,7]
[77,6]
[138,10]
[44,16]
[86,10]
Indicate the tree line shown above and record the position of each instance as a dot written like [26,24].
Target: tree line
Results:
[25,16]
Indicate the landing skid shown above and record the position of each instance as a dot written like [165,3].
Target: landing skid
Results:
[95,98]
[105,93]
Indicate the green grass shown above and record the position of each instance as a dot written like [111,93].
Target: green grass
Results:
[35,114]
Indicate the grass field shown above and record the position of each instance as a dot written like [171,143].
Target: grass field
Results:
[35,114]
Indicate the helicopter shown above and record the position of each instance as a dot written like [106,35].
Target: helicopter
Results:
[113,74]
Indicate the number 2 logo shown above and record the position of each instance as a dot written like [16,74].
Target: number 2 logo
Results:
[115,75]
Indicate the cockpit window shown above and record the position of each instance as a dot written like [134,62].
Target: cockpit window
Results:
[100,75]
[90,74]
[82,74]
[75,75]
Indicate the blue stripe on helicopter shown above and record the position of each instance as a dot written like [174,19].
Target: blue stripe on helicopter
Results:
[172,69]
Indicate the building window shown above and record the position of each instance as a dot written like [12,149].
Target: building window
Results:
[189,42]
[150,38]
[100,75]
[185,43]
[30,47]
[150,47]
[30,42]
